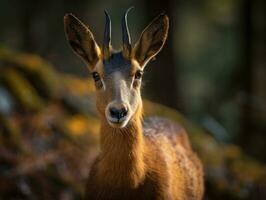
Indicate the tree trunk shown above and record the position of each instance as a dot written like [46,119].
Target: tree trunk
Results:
[253,72]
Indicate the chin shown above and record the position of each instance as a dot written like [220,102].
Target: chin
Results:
[120,124]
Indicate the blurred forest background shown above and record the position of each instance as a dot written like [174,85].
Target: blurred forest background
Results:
[212,70]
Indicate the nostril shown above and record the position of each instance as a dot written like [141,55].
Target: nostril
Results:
[123,112]
[114,113]
[118,113]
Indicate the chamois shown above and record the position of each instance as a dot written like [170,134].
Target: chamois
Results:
[139,159]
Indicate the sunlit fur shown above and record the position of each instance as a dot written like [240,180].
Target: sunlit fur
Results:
[138,163]
[139,160]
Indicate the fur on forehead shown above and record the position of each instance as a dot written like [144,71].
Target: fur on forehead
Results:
[116,62]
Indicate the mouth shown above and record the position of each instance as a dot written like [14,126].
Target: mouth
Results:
[118,123]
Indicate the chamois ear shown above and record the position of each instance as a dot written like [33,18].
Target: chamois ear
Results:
[81,40]
[151,40]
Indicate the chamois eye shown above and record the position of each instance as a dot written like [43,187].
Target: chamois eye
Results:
[138,74]
[96,76]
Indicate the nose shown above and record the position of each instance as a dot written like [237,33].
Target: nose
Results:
[118,112]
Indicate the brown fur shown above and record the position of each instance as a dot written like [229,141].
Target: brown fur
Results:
[134,164]
[139,160]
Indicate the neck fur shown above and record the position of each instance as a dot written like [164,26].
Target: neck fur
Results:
[121,159]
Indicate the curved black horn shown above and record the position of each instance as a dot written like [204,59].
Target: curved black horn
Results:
[125,33]
[107,35]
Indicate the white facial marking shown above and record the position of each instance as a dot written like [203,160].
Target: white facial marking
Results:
[120,98]
[120,88]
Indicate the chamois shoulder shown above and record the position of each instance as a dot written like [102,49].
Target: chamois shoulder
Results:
[159,126]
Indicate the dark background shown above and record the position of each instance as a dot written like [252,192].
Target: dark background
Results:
[212,68]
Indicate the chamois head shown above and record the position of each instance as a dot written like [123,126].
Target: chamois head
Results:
[117,75]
